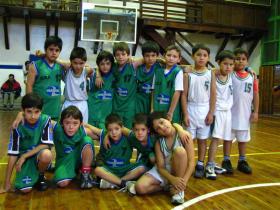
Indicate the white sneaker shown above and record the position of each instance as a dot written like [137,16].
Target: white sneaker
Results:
[106,185]
[219,170]
[129,187]
[178,198]
[210,172]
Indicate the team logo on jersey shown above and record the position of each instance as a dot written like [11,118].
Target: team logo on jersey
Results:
[53,91]
[115,162]
[146,88]
[104,95]
[163,99]
[68,149]
[26,180]
[122,91]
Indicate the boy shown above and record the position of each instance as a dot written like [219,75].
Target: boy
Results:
[198,102]
[75,79]
[29,147]
[168,85]
[100,99]
[73,149]
[44,77]
[116,169]
[245,93]
[222,119]
[174,161]
[145,75]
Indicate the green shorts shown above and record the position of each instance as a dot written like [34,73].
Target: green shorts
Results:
[127,118]
[122,170]
[66,166]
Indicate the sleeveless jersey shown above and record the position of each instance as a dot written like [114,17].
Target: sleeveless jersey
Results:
[26,137]
[199,87]
[100,100]
[242,101]
[167,153]
[75,86]
[144,88]
[119,153]
[47,85]
[65,144]
[164,89]
[125,89]
[224,94]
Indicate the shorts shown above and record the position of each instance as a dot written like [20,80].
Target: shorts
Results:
[122,170]
[66,166]
[127,118]
[222,125]
[241,135]
[154,173]
[81,105]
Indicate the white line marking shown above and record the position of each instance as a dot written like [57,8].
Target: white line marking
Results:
[219,192]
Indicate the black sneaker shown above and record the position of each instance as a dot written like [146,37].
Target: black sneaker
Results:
[86,180]
[41,184]
[244,167]
[199,172]
[226,164]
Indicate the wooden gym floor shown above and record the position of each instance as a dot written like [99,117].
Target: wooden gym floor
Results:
[239,191]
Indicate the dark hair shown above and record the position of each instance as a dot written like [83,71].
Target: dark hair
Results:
[78,52]
[113,118]
[27,62]
[12,75]
[154,116]
[55,40]
[71,111]
[121,46]
[104,55]
[200,46]
[150,46]
[223,55]
[241,51]
[173,47]
[31,100]
[140,118]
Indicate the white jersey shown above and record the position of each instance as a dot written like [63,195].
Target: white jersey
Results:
[199,88]
[224,94]
[75,86]
[243,94]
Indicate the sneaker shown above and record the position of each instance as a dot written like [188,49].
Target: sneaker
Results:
[199,171]
[178,198]
[106,185]
[244,167]
[86,180]
[226,164]
[219,170]
[41,184]
[210,172]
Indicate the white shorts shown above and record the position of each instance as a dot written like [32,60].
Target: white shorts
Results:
[241,135]
[222,125]
[154,173]
[81,105]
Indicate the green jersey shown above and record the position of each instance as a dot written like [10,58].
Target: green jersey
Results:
[164,89]
[47,85]
[100,100]
[27,137]
[144,88]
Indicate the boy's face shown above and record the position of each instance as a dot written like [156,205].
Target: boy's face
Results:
[162,127]
[78,65]
[150,58]
[141,132]
[201,58]
[115,131]
[71,125]
[105,66]
[121,57]
[172,57]
[52,52]
[226,66]
[31,115]
[240,61]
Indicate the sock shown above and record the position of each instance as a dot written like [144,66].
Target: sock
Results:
[226,157]
[85,169]
[200,163]
[211,164]
[242,157]
[123,183]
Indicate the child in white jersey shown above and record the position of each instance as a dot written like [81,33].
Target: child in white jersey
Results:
[222,116]
[245,93]
[75,80]
[198,102]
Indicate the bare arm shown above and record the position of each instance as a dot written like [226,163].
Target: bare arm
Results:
[152,101]
[93,129]
[31,76]
[185,136]
[184,96]
[7,183]
[126,131]
[190,165]
[175,99]
[209,117]
[255,114]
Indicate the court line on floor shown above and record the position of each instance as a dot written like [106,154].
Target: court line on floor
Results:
[219,192]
